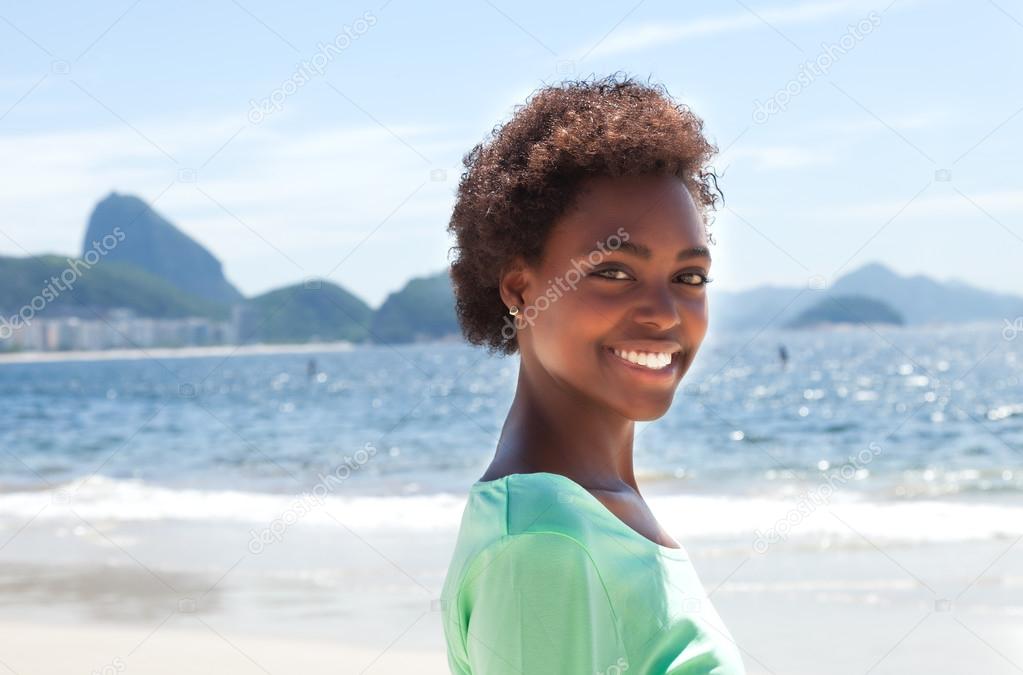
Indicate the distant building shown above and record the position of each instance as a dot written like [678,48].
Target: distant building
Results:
[243,324]
[116,329]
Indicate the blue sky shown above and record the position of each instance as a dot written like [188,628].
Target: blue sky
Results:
[902,147]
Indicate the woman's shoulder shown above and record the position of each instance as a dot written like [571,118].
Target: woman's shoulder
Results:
[516,524]
[538,502]
[535,595]
[515,506]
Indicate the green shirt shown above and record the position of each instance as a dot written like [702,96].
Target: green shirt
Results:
[546,579]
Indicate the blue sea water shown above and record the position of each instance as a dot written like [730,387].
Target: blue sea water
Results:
[929,411]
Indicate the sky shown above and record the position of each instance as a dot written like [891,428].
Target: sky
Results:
[326,140]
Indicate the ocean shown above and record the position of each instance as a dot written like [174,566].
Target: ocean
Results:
[897,423]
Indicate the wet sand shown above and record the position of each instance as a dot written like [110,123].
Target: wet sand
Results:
[366,602]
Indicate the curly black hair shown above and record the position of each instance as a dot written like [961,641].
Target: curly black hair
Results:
[527,173]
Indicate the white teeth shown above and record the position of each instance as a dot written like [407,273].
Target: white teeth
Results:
[652,360]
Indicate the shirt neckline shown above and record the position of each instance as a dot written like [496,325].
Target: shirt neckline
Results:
[670,551]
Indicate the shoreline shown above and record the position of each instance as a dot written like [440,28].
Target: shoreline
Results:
[172,352]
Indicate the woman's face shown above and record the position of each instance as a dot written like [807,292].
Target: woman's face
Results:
[622,279]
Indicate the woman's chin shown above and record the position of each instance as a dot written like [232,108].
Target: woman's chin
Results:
[647,412]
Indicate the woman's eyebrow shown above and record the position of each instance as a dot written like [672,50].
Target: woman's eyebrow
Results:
[644,252]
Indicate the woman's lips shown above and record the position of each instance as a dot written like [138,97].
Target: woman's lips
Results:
[665,374]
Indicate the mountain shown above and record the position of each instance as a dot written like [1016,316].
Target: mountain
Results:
[424,309]
[757,306]
[923,300]
[152,243]
[105,285]
[853,309]
[138,260]
[316,310]
[917,299]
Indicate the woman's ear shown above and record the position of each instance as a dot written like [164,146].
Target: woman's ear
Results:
[514,282]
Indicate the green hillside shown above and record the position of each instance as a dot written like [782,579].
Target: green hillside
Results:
[847,309]
[105,285]
[424,309]
[299,313]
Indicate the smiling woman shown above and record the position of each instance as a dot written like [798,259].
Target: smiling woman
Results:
[583,218]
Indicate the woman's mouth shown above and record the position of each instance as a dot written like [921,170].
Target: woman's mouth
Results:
[652,365]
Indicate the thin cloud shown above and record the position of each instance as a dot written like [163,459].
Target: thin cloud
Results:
[296,185]
[864,125]
[655,34]
[942,204]
[773,157]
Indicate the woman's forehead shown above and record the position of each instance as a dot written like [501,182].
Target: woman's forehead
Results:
[654,210]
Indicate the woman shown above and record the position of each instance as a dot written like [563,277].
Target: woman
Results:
[582,245]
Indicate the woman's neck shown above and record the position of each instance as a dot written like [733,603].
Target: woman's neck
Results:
[552,428]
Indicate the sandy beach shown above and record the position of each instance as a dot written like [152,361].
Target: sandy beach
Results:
[185,597]
[58,650]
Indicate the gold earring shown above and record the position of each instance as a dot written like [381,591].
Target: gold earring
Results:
[513,310]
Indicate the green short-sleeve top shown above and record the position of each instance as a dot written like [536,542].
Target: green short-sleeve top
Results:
[546,579]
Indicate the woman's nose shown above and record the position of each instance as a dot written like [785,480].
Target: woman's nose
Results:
[660,308]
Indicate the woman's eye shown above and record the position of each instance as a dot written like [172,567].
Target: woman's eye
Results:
[688,278]
[605,273]
[695,279]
